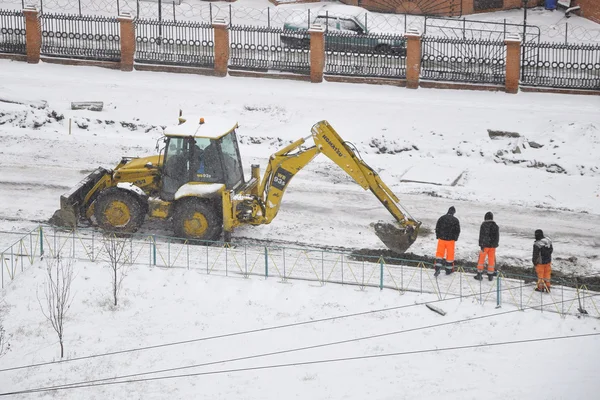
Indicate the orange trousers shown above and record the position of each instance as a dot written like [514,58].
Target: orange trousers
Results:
[543,272]
[445,250]
[490,253]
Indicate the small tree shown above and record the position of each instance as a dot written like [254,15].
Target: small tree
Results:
[118,261]
[57,295]
[4,345]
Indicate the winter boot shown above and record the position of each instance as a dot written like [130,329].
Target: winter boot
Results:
[478,276]
[437,270]
[537,289]
[490,277]
[449,267]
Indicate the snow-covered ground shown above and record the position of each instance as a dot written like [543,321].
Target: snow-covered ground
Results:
[417,135]
[159,307]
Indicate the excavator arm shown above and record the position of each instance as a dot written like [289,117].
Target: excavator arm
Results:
[287,162]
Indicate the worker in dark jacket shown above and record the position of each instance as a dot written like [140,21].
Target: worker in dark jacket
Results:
[489,237]
[542,260]
[447,231]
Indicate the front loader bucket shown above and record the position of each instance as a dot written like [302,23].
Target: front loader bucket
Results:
[395,236]
[72,202]
[65,217]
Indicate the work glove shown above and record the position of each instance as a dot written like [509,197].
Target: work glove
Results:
[482,248]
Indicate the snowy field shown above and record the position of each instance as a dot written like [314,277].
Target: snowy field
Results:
[547,178]
[404,351]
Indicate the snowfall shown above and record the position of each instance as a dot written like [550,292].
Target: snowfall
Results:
[271,339]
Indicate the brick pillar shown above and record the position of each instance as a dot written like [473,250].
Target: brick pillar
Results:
[413,58]
[221,46]
[317,53]
[513,63]
[127,41]
[33,34]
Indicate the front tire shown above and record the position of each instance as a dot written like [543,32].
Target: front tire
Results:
[118,210]
[197,219]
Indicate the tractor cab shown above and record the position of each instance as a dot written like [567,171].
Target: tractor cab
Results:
[201,151]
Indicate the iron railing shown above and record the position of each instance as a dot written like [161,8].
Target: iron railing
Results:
[174,43]
[72,36]
[561,66]
[263,48]
[12,32]
[368,55]
[292,263]
[471,61]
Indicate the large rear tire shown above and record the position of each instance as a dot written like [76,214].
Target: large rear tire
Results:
[118,210]
[197,219]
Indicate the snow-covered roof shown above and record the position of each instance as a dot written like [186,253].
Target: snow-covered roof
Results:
[212,127]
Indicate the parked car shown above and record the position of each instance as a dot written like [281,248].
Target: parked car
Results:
[349,25]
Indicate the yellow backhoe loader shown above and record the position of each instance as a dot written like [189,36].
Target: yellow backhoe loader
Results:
[197,180]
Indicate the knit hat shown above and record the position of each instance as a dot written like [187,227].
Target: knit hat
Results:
[489,216]
[539,234]
[451,210]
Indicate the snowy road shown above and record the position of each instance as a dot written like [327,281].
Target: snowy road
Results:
[322,207]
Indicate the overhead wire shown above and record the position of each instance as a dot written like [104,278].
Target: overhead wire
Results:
[296,364]
[291,350]
[245,332]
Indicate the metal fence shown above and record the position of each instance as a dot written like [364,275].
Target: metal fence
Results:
[265,48]
[287,263]
[366,55]
[12,32]
[458,60]
[72,36]
[561,66]
[174,43]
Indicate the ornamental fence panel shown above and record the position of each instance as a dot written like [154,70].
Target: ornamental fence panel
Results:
[265,48]
[561,66]
[458,60]
[12,32]
[80,37]
[174,43]
[368,55]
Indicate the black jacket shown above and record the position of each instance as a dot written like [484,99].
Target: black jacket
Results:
[489,234]
[542,251]
[447,228]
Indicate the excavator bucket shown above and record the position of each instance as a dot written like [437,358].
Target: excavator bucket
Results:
[71,202]
[395,236]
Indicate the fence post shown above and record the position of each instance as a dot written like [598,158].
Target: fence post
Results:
[41,243]
[317,53]
[266,262]
[127,29]
[380,273]
[513,63]
[153,250]
[33,34]
[498,291]
[221,33]
[413,58]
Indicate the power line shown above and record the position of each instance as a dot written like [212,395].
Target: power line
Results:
[323,361]
[239,333]
[290,350]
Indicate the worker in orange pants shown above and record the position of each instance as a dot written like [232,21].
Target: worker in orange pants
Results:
[542,260]
[447,230]
[489,237]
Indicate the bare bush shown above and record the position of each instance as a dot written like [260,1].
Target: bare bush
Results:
[57,295]
[117,258]
[4,345]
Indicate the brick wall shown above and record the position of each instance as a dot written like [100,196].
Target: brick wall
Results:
[590,9]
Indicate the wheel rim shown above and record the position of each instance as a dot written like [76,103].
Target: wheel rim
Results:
[117,213]
[196,225]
